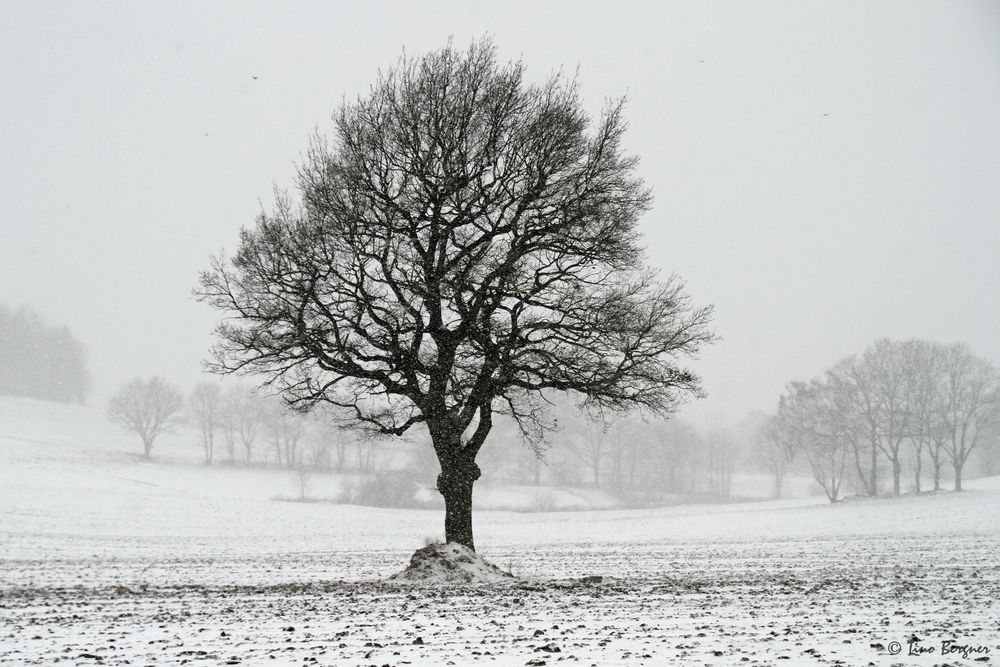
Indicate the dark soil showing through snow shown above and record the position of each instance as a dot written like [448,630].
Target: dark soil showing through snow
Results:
[835,606]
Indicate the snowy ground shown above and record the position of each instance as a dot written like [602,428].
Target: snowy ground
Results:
[214,574]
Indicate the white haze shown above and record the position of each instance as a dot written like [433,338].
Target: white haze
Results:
[825,173]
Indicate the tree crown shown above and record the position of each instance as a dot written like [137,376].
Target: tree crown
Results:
[466,241]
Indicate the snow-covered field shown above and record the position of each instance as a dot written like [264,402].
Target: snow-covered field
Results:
[213,571]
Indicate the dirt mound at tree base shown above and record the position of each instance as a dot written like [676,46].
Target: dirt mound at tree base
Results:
[450,563]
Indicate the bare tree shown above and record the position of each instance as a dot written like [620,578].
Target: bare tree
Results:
[340,446]
[285,429]
[666,460]
[145,407]
[926,422]
[205,406]
[971,404]
[587,435]
[936,451]
[303,475]
[853,381]
[720,453]
[625,437]
[775,449]
[242,422]
[886,368]
[466,241]
[989,452]
[813,414]
[332,437]
[365,451]
[228,422]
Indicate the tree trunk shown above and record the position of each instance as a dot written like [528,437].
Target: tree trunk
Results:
[341,454]
[896,471]
[147,447]
[873,491]
[455,485]
[958,475]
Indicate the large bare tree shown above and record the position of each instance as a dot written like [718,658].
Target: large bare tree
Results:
[465,242]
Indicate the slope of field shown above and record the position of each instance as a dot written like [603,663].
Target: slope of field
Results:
[105,559]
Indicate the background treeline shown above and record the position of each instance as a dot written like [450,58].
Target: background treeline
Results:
[640,461]
[900,415]
[236,426]
[38,360]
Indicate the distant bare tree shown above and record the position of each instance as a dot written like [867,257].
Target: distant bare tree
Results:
[467,241]
[365,450]
[331,437]
[285,428]
[971,404]
[666,460]
[881,392]
[147,408]
[340,446]
[304,476]
[813,413]
[989,452]
[205,406]
[624,441]
[720,454]
[228,423]
[943,400]
[936,452]
[588,435]
[927,428]
[852,380]
[898,385]
[243,420]
[775,449]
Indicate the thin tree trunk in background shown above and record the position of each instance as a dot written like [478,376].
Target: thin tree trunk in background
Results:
[873,489]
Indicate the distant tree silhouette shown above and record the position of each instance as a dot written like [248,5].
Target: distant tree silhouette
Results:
[147,408]
[206,406]
[40,361]
[942,400]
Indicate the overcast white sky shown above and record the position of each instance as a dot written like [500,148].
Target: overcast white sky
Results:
[825,173]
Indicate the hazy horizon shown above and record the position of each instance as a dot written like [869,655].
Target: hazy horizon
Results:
[824,173]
